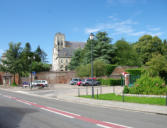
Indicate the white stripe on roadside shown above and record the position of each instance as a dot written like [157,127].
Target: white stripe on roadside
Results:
[64,111]
[118,124]
[56,113]
[103,126]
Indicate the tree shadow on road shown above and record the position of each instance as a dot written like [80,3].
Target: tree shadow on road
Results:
[10,117]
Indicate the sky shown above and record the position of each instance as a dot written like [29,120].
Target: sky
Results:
[37,21]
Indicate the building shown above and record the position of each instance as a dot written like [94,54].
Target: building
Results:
[63,51]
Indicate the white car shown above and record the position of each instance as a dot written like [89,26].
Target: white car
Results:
[42,83]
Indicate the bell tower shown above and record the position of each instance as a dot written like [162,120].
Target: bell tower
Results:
[59,42]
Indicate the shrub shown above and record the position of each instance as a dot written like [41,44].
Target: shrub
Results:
[149,85]
[126,89]
[14,83]
[110,82]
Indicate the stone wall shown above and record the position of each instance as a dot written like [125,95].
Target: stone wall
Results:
[54,77]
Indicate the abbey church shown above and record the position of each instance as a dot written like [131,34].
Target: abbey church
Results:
[63,51]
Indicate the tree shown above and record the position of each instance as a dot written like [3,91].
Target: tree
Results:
[76,59]
[126,54]
[40,55]
[13,62]
[147,46]
[157,65]
[102,49]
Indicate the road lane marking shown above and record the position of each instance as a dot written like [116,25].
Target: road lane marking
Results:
[56,112]
[103,126]
[118,124]
[69,114]
[64,111]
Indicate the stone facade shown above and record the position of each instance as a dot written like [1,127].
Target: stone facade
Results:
[63,51]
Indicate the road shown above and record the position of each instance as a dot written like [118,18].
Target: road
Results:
[23,111]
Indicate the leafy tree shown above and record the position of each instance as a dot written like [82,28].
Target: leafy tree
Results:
[40,55]
[76,59]
[126,54]
[147,45]
[157,65]
[13,62]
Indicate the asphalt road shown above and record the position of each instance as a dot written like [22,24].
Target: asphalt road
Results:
[22,111]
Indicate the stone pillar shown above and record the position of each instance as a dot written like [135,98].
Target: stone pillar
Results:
[127,79]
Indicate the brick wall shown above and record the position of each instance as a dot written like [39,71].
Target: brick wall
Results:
[56,77]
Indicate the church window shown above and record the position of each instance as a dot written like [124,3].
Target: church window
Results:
[61,60]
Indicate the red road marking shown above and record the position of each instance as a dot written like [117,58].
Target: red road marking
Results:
[97,122]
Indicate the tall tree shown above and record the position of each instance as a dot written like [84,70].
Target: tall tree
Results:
[148,45]
[13,63]
[126,54]
[40,55]
[76,59]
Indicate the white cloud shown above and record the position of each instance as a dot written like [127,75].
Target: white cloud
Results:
[154,29]
[126,27]
[90,30]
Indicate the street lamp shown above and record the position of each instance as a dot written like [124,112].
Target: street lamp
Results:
[91,37]
[30,58]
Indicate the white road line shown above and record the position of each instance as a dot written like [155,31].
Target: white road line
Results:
[57,113]
[118,124]
[64,111]
[103,126]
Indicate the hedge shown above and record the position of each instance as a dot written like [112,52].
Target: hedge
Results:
[135,71]
[110,82]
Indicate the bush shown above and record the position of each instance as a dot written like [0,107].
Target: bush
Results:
[14,83]
[126,89]
[110,82]
[149,85]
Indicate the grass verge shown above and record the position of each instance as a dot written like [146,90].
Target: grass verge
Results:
[131,99]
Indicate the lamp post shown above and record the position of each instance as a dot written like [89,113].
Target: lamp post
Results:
[91,37]
[30,58]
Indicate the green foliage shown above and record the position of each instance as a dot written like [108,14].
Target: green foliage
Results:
[109,69]
[126,89]
[14,83]
[110,82]
[39,66]
[132,99]
[157,64]
[148,45]
[76,59]
[126,54]
[149,85]
[135,71]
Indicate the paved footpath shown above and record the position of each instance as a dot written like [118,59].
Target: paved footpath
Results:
[69,94]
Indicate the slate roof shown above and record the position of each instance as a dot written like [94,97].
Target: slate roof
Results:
[66,52]
[75,45]
[70,48]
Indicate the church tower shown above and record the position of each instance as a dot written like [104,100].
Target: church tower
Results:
[59,42]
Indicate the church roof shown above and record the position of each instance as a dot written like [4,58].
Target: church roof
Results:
[66,52]
[75,45]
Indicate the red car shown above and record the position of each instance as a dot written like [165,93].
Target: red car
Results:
[79,82]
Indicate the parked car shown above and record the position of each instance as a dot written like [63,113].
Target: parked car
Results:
[80,82]
[74,81]
[25,84]
[88,82]
[40,83]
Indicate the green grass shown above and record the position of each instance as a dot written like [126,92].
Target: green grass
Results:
[131,99]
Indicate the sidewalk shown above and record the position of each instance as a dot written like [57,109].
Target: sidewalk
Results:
[98,103]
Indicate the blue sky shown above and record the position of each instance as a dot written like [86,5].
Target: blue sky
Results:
[37,21]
